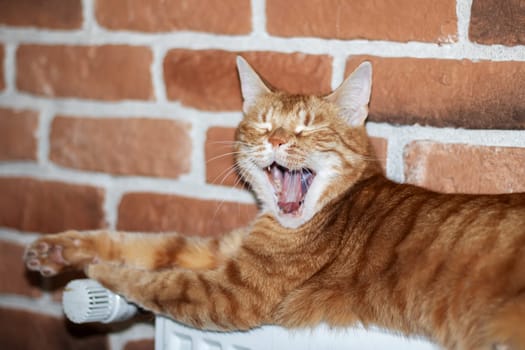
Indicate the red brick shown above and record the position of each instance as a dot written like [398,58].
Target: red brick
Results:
[452,93]
[52,14]
[402,20]
[2,57]
[24,330]
[107,72]
[16,279]
[131,146]
[207,79]
[18,134]
[149,212]
[49,206]
[465,168]
[143,344]
[220,159]
[497,22]
[213,16]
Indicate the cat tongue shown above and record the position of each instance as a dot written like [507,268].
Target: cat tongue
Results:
[291,193]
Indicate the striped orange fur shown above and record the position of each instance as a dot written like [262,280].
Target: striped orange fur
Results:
[335,241]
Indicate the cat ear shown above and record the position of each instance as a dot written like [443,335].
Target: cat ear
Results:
[353,95]
[252,86]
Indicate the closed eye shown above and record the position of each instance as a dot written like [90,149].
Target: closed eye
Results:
[267,127]
[305,130]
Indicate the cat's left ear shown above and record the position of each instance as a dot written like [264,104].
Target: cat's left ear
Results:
[353,95]
[252,86]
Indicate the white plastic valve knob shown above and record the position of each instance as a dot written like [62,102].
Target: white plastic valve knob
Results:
[86,300]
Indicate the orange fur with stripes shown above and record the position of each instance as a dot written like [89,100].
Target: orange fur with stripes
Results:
[335,241]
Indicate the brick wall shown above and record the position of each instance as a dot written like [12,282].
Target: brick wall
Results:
[115,113]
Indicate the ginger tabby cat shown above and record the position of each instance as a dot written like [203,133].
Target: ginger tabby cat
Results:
[335,241]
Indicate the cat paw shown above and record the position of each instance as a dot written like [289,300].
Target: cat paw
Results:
[53,254]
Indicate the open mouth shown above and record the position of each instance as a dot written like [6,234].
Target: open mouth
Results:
[290,186]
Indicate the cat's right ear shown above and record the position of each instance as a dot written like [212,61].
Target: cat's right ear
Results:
[252,86]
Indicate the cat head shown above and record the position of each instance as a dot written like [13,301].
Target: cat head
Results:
[298,152]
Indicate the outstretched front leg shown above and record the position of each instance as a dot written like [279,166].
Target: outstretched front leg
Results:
[53,254]
[241,293]
[206,299]
[239,287]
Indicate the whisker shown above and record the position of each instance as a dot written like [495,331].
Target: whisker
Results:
[230,143]
[221,203]
[242,175]
[368,158]
[231,170]
[224,173]
[244,170]
[223,155]
[245,152]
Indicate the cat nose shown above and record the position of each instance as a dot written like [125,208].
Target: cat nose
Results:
[278,137]
[276,141]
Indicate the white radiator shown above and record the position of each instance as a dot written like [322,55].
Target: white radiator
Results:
[170,335]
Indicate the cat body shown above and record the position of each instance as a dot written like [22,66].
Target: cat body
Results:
[335,241]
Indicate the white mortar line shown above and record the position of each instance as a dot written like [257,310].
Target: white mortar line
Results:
[112,200]
[197,40]
[395,165]
[502,138]
[10,67]
[338,70]
[44,132]
[18,237]
[225,120]
[42,306]
[258,8]
[198,161]
[157,73]
[463,9]
[88,15]
[124,109]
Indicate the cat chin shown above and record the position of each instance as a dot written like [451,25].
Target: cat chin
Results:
[291,220]
[287,220]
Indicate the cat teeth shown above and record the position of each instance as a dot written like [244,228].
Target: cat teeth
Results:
[277,178]
[278,186]
[277,174]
